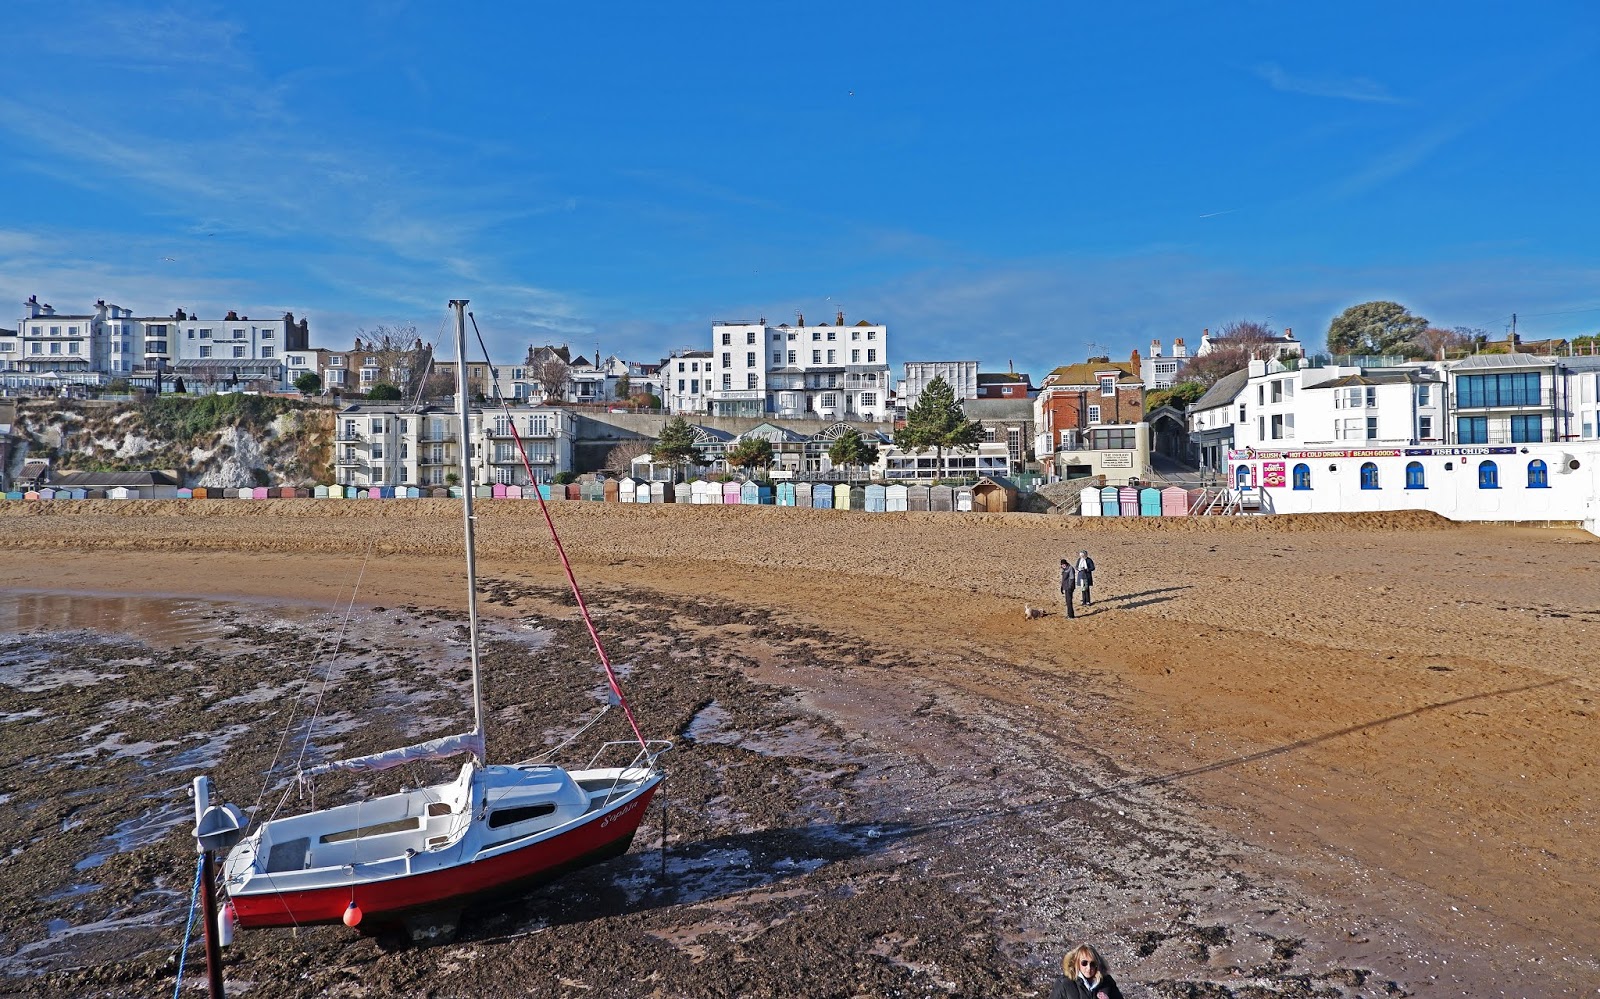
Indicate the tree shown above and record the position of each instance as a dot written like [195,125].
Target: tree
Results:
[676,445]
[750,453]
[1239,343]
[398,353]
[620,458]
[383,392]
[1374,328]
[551,374]
[178,386]
[850,448]
[624,386]
[1179,396]
[939,422]
[309,383]
[1437,344]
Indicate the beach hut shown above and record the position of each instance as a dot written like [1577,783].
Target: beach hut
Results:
[439,492]
[749,494]
[858,497]
[14,495]
[942,499]
[412,492]
[641,492]
[75,493]
[896,498]
[682,492]
[484,491]
[546,492]
[592,492]
[841,496]
[1174,502]
[918,498]
[1149,502]
[1128,501]
[873,501]
[95,494]
[497,490]
[610,490]
[964,499]
[514,491]
[697,492]
[786,495]
[49,494]
[1110,505]
[302,492]
[661,492]
[625,490]
[115,492]
[199,492]
[261,492]
[31,494]
[283,492]
[731,495]
[994,494]
[822,496]
[1089,501]
[321,492]
[380,493]
[573,490]
[802,494]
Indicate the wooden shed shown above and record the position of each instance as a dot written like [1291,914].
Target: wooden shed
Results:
[876,500]
[994,494]
[896,498]
[941,499]
[917,498]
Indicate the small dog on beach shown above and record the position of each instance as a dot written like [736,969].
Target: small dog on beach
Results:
[1030,613]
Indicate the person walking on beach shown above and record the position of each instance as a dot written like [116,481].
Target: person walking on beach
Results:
[1085,567]
[1084,975]
[1069,583]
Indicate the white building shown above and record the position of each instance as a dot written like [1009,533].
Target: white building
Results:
[835,372]
[1161,370]
[1282,346]
[961,376]
[686,380]
[394,445]
[898,465]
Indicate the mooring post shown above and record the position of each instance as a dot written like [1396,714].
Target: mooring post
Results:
[208,875]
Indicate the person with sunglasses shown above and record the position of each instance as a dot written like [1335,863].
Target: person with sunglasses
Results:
[1084,976]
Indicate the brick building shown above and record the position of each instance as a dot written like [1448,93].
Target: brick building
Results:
[1093,393]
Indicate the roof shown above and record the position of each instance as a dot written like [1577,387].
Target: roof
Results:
[110,480]
[1380,376]
[773,432]
[1503,361]
[1088,372]
[1223,391]
[999,480]
[1001,377]
[998,409]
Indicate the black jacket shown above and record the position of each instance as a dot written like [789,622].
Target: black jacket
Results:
[1073,988]
[1069,578]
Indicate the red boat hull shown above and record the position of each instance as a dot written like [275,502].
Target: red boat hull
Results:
[598,839]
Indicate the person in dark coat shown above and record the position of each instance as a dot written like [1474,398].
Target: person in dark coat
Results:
[1084,975]
[1085,567]
[1069,584]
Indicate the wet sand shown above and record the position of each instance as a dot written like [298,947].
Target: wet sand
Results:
[1287,757]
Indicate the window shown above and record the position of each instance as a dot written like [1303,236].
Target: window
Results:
[1527,429]
[1282,426]
[816,357]
[855,357]
[855,334]
[827,399]
[750,359]
[1277,390]
[872,355]
[1484,391]
[1488,475]
[1241,412]
[238,334]
[1372,428]
[816,336]
[680,385]
[727,339]
[205,351]
[831,336]
[1472,430]
[727,359]
[869,398]
[377,425]
[266,351]
[831,356]
[265,334]
[777,357]
[1242,477]
[377,452]
[1369,475]
[510,816]
[1302,476]
[1261,393]
[750,380]
[791,357]
[1114,439]
[1094,414]
[680,367]
[1415,478]
[694,386]
[750,336]
[1425,427]
[1538,475]
[1108,385]
[872,334]
[205,334]
[238,351]
[727,381]
[1424,395]
[37,348]
[72,348]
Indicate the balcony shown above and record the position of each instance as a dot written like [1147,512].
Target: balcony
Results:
[344,436]
[516,459]
[353,461]
[1474,402]
[437,436]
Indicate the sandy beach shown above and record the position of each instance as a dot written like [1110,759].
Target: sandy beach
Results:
[1287,756]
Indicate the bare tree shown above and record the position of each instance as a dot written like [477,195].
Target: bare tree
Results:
[400,355]
[1240,343]
[551,374]
[620,458]
[1437,344]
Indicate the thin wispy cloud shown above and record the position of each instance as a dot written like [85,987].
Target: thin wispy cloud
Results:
[1353,88]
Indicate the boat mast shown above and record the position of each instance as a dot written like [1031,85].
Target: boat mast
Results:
[460,307]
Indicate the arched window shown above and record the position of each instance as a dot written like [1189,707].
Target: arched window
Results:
[1242,477]
[1369,475]
[1302,476]
[1538,475]
[1415,478]
[1488,475]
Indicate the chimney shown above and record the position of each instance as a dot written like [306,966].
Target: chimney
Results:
[1204,333]
[838,320]
[1178,349]
[1133,360]
[799,318]
[1288,334]
[231,317]
[33,306]
[1155,348]
[49,309]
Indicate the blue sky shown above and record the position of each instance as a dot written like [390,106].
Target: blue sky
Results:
[1013,185]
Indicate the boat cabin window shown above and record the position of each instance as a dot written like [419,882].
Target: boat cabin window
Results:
[509,816]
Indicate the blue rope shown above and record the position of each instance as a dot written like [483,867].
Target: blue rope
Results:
[194,899]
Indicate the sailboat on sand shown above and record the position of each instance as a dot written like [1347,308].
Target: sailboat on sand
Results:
[416,858]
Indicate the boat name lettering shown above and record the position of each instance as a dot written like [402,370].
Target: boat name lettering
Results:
[614,816]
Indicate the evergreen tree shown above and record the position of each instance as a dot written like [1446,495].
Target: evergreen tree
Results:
[850,448]
[309,383]
[676,445]
[939,422]
[1374,328]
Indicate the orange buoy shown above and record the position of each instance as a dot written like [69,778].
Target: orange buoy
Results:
[352,915]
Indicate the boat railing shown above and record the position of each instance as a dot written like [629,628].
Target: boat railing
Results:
[641,765]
